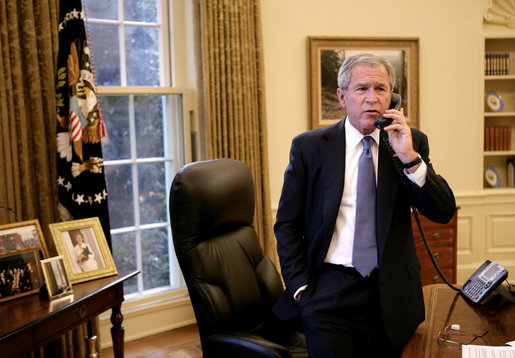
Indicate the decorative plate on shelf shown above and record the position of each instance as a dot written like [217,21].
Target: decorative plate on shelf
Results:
[494,101]
[492,177]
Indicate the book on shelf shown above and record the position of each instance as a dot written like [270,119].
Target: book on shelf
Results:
[510,173]
[497,64]
[497,138]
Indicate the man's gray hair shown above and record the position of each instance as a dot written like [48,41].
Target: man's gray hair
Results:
[366,59]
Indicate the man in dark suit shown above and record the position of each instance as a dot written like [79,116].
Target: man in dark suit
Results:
[346,313]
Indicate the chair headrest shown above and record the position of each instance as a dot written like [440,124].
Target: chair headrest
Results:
[208,195]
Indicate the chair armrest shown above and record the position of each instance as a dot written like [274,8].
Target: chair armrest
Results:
[237,345]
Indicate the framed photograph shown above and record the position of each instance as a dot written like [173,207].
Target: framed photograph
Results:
[22,235]
[85,250]
[57,283]
[325,56]
[19,273]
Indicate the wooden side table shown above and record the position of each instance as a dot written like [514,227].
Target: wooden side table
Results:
[30,322]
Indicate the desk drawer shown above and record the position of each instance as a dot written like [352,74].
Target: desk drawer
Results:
[444,256]
[16,344]
[429,275]
[436,236]
[75,315]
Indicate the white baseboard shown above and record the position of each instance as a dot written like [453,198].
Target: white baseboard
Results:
[149,316]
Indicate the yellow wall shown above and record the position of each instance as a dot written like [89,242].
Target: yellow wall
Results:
[451,43]
[450,40]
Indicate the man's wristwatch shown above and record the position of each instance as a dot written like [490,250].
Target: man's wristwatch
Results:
[412,163]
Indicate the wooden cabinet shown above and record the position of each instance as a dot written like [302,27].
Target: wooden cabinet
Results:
[499,111]
[442,240]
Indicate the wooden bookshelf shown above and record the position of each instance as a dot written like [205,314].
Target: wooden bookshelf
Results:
[499,110]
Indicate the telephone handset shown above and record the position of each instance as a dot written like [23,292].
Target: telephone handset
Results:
[395,103]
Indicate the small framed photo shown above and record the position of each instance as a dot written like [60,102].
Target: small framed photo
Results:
[57,283]
[19,273]
[83,245]
[22,235]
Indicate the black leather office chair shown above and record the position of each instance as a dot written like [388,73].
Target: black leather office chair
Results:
[231,283]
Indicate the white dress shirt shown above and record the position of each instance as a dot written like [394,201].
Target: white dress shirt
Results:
[340,249]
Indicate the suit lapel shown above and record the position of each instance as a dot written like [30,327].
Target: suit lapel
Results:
[387,188]
[332,154]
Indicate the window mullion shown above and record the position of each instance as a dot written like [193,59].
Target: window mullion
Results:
[164,54]
[135,189]
[123,62]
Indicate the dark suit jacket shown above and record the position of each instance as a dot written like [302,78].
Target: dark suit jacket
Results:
[309,204]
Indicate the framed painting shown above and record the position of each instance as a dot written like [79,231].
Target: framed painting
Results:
[83,245]
[22,235]
[20,273]
[56,279]
[325,56]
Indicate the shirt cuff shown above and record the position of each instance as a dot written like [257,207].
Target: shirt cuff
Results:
[296,295]
[419,176]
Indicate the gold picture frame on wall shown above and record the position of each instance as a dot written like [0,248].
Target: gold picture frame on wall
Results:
[85,250]
[326,54]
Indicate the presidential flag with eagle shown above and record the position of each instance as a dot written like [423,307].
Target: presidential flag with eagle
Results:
[80,127]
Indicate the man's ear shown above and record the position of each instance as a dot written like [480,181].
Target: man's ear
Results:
[341,96]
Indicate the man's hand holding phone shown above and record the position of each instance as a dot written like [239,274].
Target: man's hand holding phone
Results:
[399,135]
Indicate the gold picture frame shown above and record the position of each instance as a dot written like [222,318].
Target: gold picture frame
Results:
[22,235]
[88,260]
[56,279]
[20,273]
[326,54]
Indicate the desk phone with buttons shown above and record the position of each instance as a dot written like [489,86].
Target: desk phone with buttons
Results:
[485,280]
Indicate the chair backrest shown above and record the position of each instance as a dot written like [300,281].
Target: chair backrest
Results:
[231,283]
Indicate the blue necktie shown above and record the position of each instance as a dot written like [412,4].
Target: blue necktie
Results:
[364,254]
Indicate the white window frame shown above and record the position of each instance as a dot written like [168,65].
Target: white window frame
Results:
[181,129]
[180,155]
[161,310]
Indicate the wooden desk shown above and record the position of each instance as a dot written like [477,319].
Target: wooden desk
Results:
[30,322]
[445,306]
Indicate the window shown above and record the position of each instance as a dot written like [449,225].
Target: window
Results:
[145,118]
